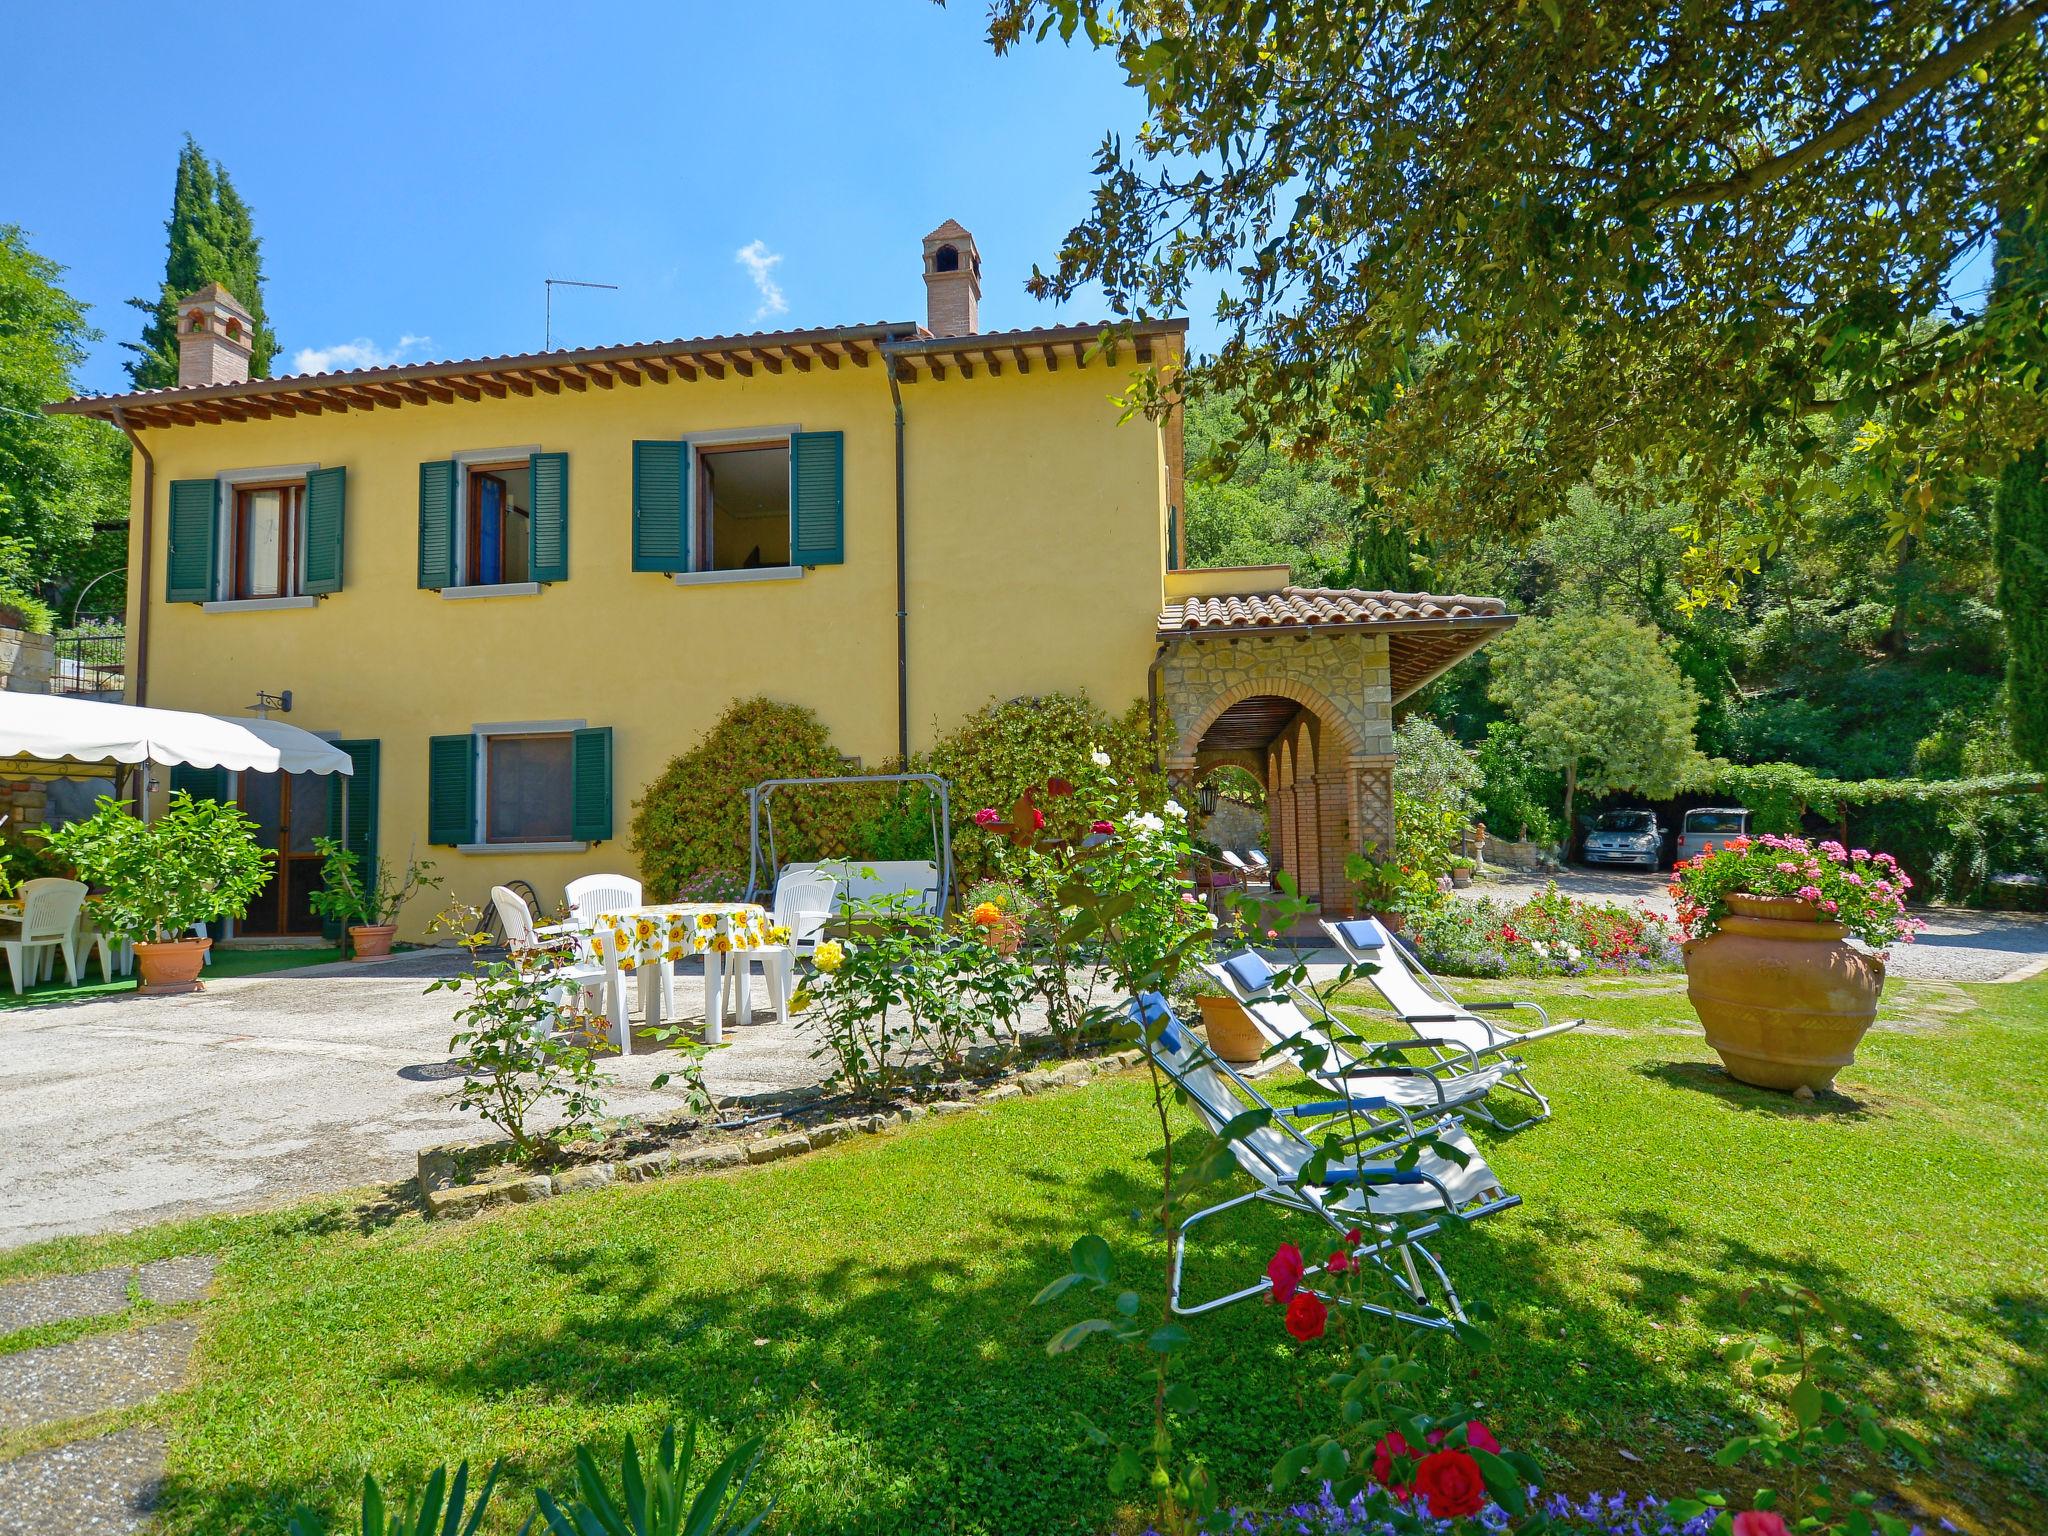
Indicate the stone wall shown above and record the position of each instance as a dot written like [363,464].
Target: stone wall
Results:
[26,661]
[1345,678]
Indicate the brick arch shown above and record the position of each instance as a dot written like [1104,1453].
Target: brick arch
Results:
[1327,714]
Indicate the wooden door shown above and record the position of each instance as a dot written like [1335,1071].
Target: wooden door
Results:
[290,810]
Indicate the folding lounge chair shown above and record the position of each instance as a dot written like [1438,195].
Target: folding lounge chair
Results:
[1426,1006]
[1394,1207]
[1285,1014]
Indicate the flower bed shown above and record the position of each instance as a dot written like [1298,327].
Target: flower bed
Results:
[1598,1514]
[1551,934]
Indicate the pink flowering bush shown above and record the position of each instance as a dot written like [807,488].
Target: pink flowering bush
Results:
[1863,891]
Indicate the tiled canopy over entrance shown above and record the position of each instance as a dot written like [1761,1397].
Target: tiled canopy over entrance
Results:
[1297,685]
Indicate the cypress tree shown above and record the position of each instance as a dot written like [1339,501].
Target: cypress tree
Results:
[212,239]
[2019,544]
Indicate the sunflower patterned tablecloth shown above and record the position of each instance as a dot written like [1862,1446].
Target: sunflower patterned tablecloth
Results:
[642,935]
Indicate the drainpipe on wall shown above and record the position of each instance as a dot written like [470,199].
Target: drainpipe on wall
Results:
[140,619]
[1152,702]
[902,586]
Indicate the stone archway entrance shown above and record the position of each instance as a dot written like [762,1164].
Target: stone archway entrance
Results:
[1298,687]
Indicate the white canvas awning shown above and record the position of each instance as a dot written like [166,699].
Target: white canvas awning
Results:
[57,729]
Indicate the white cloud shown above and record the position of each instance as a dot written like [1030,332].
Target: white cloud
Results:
[360,353]
[761,263]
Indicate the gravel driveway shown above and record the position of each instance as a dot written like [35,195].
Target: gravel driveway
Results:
[124,1110]
[1959,945]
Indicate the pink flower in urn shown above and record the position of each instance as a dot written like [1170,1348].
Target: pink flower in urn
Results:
[1859,853]
[1830,907]
[1809,893]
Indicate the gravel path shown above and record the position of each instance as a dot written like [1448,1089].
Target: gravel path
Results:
[1959,945]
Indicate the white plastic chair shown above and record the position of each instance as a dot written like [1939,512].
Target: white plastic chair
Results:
[592,895]
[49,927]
[550,948]
[803,905]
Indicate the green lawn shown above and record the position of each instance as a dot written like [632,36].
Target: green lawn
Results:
[867,1305]
[226,962]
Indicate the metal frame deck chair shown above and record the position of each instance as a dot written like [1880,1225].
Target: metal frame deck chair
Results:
[1426,1005]
[1395,1207]
[1285,1014]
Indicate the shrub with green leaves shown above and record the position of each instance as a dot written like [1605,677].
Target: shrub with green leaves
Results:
[1001,750]
[693,818]
[197,862]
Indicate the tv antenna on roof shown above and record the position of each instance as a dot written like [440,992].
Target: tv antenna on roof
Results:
[551,284]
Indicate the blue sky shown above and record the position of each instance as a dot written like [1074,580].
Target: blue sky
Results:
[417,170]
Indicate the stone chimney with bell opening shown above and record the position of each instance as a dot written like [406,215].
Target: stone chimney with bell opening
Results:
[952,281]
[215,335]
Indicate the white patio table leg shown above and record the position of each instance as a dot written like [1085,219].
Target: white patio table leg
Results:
[714,997]
[614,991]
[778,984]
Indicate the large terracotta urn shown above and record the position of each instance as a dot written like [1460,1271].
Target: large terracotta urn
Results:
[1783,996]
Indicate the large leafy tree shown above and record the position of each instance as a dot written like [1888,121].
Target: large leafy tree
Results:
[62,479]
[1696,239]
[1598,698]
[212,240]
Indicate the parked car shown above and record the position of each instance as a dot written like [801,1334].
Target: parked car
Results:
[1626,837]
[1709,824]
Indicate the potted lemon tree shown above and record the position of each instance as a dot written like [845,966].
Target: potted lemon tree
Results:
[196,863]
[368,908]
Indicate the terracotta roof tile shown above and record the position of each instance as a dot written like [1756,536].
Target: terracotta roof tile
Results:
[1315,607]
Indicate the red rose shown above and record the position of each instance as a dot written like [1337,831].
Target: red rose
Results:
[1306,1315]
[1338,1262]
[1761,1522]
[1104,827]
[1390,1460]
[1037,819]
[1284,1271]
[987,816]
[1058,787]
[1449,1482]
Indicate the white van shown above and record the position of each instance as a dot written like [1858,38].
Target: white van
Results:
[1709,824]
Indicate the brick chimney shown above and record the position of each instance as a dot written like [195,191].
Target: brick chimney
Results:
[952,281]
[214,338]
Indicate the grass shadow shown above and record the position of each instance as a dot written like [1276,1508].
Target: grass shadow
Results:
[1710,1078]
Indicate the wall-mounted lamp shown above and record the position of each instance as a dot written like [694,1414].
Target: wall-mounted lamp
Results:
[266,702]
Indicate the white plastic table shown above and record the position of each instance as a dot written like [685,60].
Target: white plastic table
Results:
[637,937]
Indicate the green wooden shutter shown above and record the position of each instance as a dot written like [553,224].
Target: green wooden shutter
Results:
[661,507]
[326,500]
[199,783]
[451,789]
[547,526]
[590,785]
[817,498]
[437,523]
[195,522]
[361,838]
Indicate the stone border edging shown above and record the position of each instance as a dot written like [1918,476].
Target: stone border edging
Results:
[445,1199]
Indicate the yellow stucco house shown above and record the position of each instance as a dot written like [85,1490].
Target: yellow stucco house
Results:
[515,587]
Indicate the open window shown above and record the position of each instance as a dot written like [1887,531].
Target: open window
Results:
[742,506]
[497,517]
[264,536]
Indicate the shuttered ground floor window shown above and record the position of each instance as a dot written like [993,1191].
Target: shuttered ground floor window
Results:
[536,786]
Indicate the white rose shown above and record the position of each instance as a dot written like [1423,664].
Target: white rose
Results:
[1099,758]
[1176,810]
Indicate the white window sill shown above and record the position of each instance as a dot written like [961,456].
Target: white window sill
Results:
[496,589]
[256,604]
[522,847]
[726,578]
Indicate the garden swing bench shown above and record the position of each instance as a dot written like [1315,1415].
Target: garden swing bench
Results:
[928,881]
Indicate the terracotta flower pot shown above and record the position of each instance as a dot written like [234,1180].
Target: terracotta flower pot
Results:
[1784,999]
[1460,877]
[171,967]
[373,942]
[1229,1030]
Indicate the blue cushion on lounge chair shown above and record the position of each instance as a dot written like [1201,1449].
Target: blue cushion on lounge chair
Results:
[1249,972]
[1365,933]
[1149,1009]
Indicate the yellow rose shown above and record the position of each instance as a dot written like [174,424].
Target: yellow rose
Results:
[985,914]
[778,935]
[829,957]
